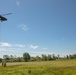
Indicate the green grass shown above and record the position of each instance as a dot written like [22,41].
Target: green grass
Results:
[58,67]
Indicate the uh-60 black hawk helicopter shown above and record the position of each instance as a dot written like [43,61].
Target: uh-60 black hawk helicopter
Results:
[2,18]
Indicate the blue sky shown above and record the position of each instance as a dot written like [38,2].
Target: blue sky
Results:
[38,27]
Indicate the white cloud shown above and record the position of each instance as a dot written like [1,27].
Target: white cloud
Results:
[19,45]
[18,3]
[4,44]
[23,27]
[33,46]
[2,49]
[45,48]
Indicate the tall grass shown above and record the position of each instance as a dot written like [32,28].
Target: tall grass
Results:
[59,67]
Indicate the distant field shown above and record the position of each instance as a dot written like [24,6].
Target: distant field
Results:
[58,67]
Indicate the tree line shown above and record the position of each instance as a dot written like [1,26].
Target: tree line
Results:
[26,57]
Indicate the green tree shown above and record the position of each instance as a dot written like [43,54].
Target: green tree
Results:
[32,59]
[70,56]
[0,60]
[26,57]
[74,56]
[11,58]
[49,57]
[38,58]
[54,57]
[5,57]
[58,56]
[44,57]
[67,57]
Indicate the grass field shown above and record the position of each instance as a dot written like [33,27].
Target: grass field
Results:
[58,67]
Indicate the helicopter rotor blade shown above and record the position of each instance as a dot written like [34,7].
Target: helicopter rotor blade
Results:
[6,14]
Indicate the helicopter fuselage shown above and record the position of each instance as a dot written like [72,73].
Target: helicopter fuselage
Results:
[2,18]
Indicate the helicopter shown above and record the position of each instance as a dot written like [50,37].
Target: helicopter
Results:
[2,18]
